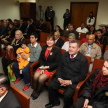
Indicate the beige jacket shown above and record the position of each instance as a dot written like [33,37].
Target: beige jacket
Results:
[95,50]
[106,55]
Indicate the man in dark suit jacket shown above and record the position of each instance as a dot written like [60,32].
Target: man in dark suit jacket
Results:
[7,98]
[29,28]
[58,41]
[50,15]
[22,26]
[41,27]
[71,70]
[4,30]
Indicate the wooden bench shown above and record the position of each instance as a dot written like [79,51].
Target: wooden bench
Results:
[23,99]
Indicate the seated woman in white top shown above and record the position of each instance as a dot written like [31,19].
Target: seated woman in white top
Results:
[66,44]
[90,20]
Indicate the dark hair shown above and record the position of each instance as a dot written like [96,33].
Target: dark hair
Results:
[15,20]
[11,24]
[92,14]
[22,20]
[106,60]
[59,27]
[75,41]
[4,81]
[34,34]
[105,27]
[9,20]
[88,33]
[67,9]
[40,6]
[72,25]
[41,19]
[83,23]
[29,20]
[23,42]
[51,6]
[100,30]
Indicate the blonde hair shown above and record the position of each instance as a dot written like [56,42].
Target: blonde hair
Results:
[20,32]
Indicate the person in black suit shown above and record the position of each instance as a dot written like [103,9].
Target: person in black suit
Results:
[58,41]
[7,98]
[29,28]
[49,59]
[58,28]
[41,27]
[71,70]
[46,12]
[50,16]
[95,94]
[32,22]
[4,29]
[66,17]
[21,26]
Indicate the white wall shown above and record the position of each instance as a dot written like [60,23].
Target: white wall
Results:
[59,7]
[9,9]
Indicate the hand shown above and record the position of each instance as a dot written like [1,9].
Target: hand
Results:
[60,80]
[65,83]
[44,68]
[90,106]
[86,103]
[42,71]
[24,57]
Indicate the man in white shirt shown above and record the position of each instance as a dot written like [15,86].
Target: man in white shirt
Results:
[7,98]
[82,29]
[66,44]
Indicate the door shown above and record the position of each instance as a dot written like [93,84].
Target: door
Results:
[80,11]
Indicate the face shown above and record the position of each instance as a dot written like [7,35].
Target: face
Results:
[23,46]
[50,8]
[33,39]
[10,26]
[56,28]
[71,28]
[67,11]
[2,91]
[99,34]
[73,49]
[56,36]
[103,29]
[82,25]
[91,40]
[15,22]
[87,36]
[105,68]
[29,22]
[5,23]
[90,14]
[50,42]
[40,8]
[91,29]
[71,38]
[17,35]
[68,25]
[21,21]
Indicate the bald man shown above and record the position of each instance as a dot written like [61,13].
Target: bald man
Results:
[58,41]
[91,49]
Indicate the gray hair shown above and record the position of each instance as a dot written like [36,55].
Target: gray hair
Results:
[75,41]
[58,33]
[73,35]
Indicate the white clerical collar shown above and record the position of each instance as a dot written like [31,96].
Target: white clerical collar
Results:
[73,56]
[34,45]
[3,97]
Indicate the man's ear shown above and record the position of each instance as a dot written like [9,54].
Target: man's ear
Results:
[36,39]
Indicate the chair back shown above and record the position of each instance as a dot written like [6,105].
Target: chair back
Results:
[101,46]
[82,35]
[47,26]
[63,38]
[23,99]
[97,64]
[106,48]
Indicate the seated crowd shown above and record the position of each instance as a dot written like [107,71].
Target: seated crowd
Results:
[71,66]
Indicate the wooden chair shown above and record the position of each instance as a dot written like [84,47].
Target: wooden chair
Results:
[97,64]
[32,72]
[82,35]
[47,26]
[42,44]
[27,41]
[106,48]
[63,31]
[43,37]
[23,99]
[63,38]
[101,46]
[80,42]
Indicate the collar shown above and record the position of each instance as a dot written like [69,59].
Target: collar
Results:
[50,10]
[3,97]
[34,45]
[57,39]
[73,56]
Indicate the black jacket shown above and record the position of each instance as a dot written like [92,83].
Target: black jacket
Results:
[59,42]
[22,27]
[52,60]
[100,97]
[72,69]
[30,29]
[51,14]
[5,31]
[10,101]
[42,26]
[66,16]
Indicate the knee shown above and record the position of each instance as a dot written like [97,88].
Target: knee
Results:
[76,105]
[50,85]
[67,95]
